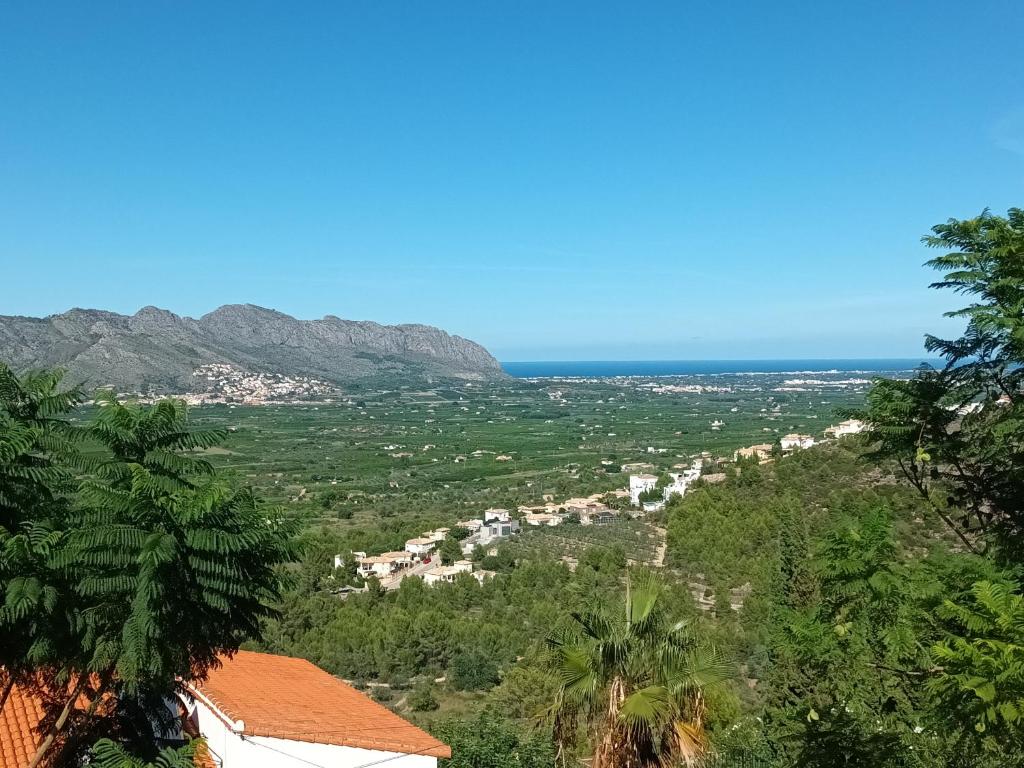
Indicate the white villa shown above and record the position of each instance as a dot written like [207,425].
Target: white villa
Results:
[848,427]
[639,484]
[682,480]
[447,573]
[384,564]
[498,523]
[542,518]
[793,441]
[420,547]
[761,452]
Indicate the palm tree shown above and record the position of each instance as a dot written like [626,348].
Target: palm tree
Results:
[635,681]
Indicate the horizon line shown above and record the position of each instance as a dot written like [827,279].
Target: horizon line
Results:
[714,359]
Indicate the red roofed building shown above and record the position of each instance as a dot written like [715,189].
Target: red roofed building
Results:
[18,739]
[258,710]
[265,711]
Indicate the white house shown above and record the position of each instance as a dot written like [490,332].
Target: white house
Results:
[681,481]
[542,518]
[447,573]
[496,529]
[258,710]
[761,451]
[793,441]
[496,513]
[420,547]
[848,427]
[439,534]
[639,484]
[384,564]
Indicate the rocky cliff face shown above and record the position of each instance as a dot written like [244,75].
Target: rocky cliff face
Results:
[156,350]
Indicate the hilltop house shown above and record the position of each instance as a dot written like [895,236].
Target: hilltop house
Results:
[681,481]
[259,710]
[793,441]
[384,564]
[447,573]
[760,452]
[498,523]
[496,529]
[542,518]
[420,547]
[848,427]
[473,525]
[640,484]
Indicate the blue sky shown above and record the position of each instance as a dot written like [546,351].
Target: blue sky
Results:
[570,180]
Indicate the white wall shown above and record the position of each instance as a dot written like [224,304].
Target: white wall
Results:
[233,751]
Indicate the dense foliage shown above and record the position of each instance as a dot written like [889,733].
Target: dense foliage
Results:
[126,563]
[958,433]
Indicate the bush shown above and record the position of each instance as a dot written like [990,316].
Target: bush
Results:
[422,699]
[473,671]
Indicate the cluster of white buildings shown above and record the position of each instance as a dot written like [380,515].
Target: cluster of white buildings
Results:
[677,485]
[795,441]
[223,383]
[589,510]
[417,557]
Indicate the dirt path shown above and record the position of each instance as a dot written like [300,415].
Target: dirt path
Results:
[659,557]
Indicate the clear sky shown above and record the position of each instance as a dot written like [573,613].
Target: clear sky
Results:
[557,180]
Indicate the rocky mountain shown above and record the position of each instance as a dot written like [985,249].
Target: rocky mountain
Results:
[157,351]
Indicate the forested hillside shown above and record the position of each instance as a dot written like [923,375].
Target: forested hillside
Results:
[862,599]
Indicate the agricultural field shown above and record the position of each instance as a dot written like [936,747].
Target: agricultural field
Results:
[428,457]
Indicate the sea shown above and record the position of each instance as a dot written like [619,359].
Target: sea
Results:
[606,368]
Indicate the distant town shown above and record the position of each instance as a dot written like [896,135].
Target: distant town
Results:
[221,383]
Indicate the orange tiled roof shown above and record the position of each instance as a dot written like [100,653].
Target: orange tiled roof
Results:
[18,737]
[287,698]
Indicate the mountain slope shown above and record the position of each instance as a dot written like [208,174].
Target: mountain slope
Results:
[156,350]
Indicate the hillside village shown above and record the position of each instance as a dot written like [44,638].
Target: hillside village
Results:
[222,383]
[646,493]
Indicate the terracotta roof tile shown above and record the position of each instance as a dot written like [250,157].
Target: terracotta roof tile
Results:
[18,738]
[285,698]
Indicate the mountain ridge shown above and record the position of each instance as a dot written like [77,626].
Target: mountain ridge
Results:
[156,350]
